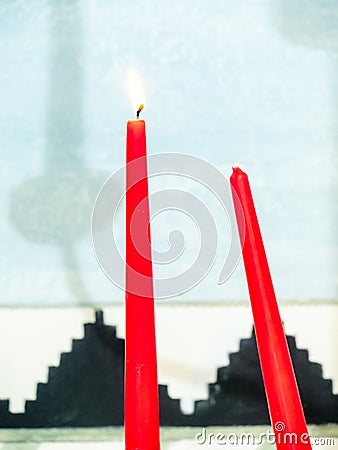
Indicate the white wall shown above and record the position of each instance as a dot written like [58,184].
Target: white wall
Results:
[192,340]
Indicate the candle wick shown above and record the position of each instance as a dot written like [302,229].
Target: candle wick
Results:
[139,110]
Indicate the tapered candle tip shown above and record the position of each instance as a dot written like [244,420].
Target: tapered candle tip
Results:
[237,165]
[139,110]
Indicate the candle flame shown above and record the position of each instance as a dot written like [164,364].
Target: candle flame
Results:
[136,91]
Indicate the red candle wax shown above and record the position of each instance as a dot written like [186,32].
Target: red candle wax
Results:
[281,389]
[141,410]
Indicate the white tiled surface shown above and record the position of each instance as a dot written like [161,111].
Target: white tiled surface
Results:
[171,439]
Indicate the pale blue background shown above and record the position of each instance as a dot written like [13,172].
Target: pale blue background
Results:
[228,81]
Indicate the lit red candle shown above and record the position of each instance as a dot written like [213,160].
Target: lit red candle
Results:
[284,403]
[141,411]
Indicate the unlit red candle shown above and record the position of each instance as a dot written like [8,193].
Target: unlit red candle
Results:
[281,389]
[141,411]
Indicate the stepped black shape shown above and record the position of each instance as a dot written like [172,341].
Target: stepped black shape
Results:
[237,397]
[86,390]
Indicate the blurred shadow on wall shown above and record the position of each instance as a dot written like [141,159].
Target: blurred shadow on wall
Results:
[55,208]
[315,25]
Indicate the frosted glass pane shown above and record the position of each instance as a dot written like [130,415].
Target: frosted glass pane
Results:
[253,82]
